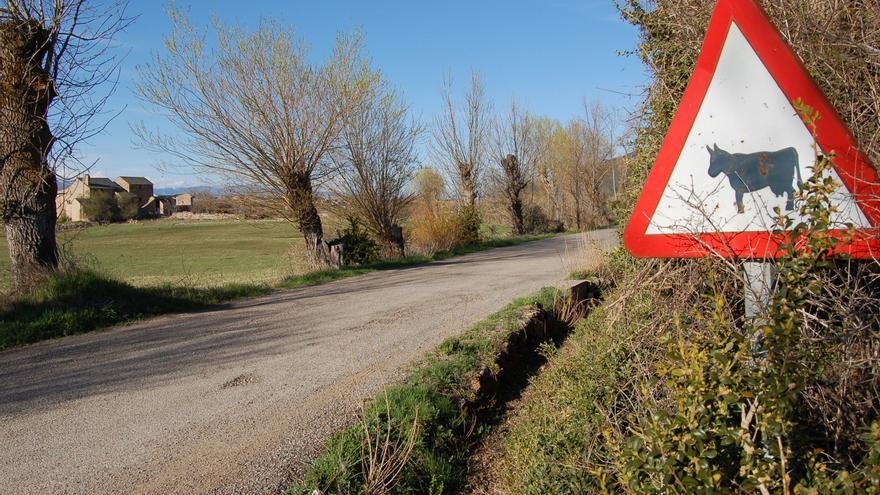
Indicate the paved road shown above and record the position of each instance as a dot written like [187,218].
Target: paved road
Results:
[235,400]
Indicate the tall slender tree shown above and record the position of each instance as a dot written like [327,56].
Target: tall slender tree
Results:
[461,137]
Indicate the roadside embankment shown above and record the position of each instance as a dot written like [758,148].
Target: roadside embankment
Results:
[418,436]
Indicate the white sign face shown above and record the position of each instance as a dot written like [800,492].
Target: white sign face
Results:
[745,155]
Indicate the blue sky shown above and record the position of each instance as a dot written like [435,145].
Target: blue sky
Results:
[548,54]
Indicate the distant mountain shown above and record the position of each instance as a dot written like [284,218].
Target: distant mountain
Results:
[169,191]
[165,191]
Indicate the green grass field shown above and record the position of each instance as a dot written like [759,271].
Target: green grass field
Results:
[204,253]
[187,253]
[125,272]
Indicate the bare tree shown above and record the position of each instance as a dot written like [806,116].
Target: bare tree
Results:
[376,162]
[254,109]
[598,142]
[547,132]
[518,149]
[587,162]
[56,74]
[461,137]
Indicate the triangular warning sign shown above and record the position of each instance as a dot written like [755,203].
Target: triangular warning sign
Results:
[737,149]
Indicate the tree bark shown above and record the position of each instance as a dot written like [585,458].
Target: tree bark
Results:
[395,246]
[515,184]
[27,182]
[516,216]
[30,232]
[468,183]
[302,203]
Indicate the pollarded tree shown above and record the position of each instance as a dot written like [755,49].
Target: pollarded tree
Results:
[518,149]
[461,138]
[252,107]
[56,74]
[376,161]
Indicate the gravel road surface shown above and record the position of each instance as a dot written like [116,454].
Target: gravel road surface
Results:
[238,399]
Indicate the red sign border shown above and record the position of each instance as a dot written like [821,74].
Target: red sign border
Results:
[853,167]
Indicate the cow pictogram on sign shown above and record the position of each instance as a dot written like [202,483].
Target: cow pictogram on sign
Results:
[738,149]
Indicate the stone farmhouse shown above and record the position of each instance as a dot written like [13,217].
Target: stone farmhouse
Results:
[69,201]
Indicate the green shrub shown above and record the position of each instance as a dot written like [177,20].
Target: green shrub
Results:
[128,205]
[99,207]
[535,221]
[467,225]
[359,246]
[666,389]
[667,395]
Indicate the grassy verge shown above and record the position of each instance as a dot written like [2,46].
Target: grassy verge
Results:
[558,428]
[72,303]
[417,435]
[83,301]
[324,276]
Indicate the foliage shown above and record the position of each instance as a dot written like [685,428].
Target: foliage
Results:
[429,406]
[206,202]
[375,163]
[432,224]
[461,135]
[467,225]
[359,247]
[554,441]
[535,221]
[100,207]
[128,206]
[667,388]
[206,85]
[626,408]
[679,393]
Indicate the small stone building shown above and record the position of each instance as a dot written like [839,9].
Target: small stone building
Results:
[69,201]
[183,202]
[142,188]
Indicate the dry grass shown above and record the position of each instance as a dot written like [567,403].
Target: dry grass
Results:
[384,454]
[589,258]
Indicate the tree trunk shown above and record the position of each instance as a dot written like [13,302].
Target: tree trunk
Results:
[468,183]
[515,184]
[395,246]
[302,202]
[27,183]
[516,215]
[30,233]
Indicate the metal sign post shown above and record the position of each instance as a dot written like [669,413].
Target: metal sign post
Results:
[759,284]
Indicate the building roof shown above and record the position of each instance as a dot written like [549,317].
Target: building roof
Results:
[103,183]
[136,181]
